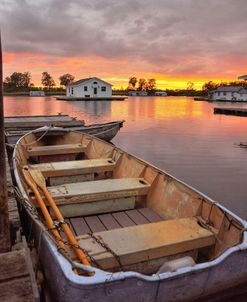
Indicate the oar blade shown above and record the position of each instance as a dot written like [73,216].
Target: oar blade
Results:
[38,178]
[28,178]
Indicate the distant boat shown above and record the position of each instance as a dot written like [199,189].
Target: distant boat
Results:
[106,131]
[37,93]
[111,227]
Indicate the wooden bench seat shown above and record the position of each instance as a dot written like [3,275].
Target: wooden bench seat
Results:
[75,167]
[100,196]
[145,242]
[99,190]
[55,149]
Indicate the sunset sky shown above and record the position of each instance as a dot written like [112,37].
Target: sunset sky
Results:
[173,41]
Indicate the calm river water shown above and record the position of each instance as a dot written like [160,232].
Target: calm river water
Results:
[176,134]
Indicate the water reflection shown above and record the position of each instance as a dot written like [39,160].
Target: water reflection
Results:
[177,134]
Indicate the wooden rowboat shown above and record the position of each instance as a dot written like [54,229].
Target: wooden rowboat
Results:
[108,225]
[106,131]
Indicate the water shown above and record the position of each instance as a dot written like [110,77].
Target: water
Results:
[176,134]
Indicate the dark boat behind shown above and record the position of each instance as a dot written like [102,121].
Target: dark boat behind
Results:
[15,130]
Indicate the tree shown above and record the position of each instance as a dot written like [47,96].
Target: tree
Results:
[142,83]
[209,86]
[66,79]
[132,83]
[18,80]
[151,85]
[190,85]
[47,80]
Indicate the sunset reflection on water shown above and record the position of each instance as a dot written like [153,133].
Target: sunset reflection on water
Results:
[176,134]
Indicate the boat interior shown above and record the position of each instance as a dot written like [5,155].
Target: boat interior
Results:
[125,214]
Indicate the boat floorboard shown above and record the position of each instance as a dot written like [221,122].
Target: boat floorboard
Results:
[110,221]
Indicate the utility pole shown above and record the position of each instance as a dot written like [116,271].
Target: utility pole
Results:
[5,244]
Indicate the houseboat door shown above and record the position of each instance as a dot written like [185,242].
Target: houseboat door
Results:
[95,91]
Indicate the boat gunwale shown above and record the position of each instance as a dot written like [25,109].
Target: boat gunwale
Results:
[102,277]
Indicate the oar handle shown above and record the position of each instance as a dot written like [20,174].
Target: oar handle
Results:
[74,243]
[44,210]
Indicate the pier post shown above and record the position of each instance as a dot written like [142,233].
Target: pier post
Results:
[5,244]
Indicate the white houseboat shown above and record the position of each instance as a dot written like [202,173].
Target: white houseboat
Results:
[89,88]
[230,93]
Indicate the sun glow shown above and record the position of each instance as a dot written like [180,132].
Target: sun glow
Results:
[111,71]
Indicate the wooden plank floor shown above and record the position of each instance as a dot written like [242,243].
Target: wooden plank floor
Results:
[110,221]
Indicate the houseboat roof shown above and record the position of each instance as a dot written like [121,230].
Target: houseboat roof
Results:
[243,77]
[86,80]
[228,89]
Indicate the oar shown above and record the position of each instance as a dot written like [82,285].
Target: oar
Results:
[40,182]
[43,208]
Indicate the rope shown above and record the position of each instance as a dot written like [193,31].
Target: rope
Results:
[102,132]
[38,139]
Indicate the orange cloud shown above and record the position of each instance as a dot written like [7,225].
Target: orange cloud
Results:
[112,70]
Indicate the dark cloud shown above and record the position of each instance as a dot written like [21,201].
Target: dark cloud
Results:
[182,36]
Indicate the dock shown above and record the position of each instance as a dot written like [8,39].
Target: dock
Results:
[230,111]
[17,277]
[113,98]
[17,126]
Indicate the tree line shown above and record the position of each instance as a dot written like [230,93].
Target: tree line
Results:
[142,84]
[18,81]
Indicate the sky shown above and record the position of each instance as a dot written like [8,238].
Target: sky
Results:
[173,41]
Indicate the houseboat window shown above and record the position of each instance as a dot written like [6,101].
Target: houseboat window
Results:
[95,82]
[85,88]
[69,89]
[224,93]
[103,88]
[72,90]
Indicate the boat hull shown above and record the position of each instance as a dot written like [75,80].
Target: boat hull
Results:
[178,286]
[184,284]
[104,131]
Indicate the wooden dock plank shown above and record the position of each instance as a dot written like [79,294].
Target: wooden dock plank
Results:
[31,122]
[17,282]
[17,279]
[16,290]
[230,111]
[13,265]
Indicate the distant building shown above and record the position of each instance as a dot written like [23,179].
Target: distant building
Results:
[160,93]
[137,93]
[243,77]
[89,88]
[37,93]
[229,93]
